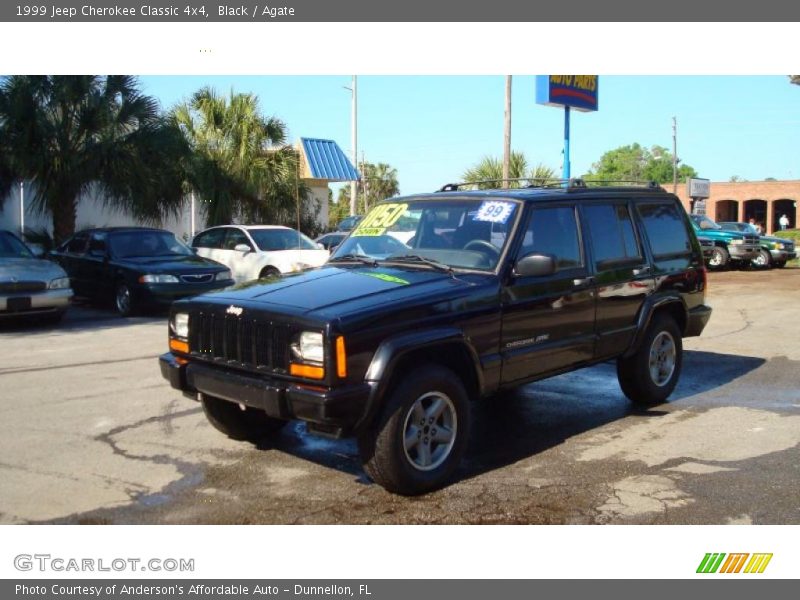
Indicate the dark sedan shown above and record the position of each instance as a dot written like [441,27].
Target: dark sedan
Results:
[136,267]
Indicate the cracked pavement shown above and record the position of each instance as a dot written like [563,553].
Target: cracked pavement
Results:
[90,433]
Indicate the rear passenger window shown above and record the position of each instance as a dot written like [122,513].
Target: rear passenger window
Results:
[665,229]
[613,238]
[210,239]
[554,231]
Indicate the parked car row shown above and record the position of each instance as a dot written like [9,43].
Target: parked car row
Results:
[733,244]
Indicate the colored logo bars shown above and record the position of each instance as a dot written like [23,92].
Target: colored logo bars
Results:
[733,563]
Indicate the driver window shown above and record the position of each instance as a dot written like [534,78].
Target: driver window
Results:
[234,237]
[554,230]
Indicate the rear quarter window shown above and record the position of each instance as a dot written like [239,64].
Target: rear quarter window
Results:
[665,229]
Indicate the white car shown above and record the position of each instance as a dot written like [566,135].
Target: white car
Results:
[256,251]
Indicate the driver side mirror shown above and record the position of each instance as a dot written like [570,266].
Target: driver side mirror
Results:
[244,248]
[535,265]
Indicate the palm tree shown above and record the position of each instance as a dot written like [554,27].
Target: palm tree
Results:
[241,165]
[378,182]
[71,135]
[490,169]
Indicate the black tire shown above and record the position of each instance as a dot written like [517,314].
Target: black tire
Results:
[719,258]
[249,424]
[387,458]
[267,272]
[124,301]
[763,260]
[634,373]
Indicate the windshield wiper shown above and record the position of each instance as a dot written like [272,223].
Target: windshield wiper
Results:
[359,258]
[416,258]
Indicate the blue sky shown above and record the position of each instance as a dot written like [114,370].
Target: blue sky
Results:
[432,128]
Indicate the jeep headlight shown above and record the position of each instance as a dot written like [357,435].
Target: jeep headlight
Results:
[179,325]
[60,283]
[308,348]
[736,242]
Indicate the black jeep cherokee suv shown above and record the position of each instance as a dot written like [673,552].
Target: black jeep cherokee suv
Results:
[438,299]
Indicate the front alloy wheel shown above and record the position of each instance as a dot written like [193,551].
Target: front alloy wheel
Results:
[123,300]
[430,431]
[417,441]
[762,259]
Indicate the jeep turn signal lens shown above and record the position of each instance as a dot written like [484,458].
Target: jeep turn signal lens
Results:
[308,371]
[341,358]
[179,346]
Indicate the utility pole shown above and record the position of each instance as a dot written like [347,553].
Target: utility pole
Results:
[354,184]
[507,135]
[674,155]
[22,209]
[365,181]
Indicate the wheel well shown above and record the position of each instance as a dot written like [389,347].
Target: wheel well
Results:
[269,269]
[675,311]
[453,356]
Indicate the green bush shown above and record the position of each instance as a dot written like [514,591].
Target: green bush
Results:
[793,234]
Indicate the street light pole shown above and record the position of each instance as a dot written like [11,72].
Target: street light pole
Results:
[22,209]
[354,184]
[674,155]
[507,135]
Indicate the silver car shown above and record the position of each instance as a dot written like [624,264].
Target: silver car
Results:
[29,285]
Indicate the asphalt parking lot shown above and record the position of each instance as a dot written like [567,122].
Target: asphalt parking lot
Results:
[91,433]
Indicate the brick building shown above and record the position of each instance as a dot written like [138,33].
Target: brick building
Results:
[764,201]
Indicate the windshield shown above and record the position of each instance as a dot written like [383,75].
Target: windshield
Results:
[129,244]
[703,222]
[453,232]
[281,239]
[11,247]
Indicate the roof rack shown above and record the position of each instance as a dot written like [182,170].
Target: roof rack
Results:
[536,183]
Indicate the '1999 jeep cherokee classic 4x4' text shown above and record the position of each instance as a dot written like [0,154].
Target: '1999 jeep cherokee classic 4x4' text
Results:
[391,340]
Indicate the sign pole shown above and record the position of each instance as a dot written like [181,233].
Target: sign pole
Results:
[22,209]
[566,170]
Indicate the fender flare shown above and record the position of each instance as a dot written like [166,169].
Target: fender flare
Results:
[650,306]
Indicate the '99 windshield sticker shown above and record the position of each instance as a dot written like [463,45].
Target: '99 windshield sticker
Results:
[494,211]
[380,219]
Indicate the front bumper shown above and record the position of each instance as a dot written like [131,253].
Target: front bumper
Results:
[329,411]
[164,294]
[782,255]
[743,251]
[697,320]
[49,301]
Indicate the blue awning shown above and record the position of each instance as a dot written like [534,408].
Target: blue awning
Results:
[327,161]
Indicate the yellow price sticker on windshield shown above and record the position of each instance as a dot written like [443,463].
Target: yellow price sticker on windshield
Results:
[380,219]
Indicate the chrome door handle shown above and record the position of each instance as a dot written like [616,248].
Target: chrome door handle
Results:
[641,270]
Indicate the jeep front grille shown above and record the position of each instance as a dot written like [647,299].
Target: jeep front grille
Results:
[240,341]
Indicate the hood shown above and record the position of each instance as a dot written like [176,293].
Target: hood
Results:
[170,264]
[346,288]
[29,269]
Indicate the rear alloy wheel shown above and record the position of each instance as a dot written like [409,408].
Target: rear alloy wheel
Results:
[419,439]
[762,260]
[123,300]
[241,423]
[649,376]
[719,258]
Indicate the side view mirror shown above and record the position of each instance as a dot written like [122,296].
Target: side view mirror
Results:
[320,246]
[242,248]
[535,265]
[36,250]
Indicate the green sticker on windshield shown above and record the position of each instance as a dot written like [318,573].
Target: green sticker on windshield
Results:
[379,220]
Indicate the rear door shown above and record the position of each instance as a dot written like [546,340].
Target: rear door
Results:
[622,273]
[548,321]
[71,260]
[208,243]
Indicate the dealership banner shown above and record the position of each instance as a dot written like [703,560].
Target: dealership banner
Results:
[388,589]
[406,11]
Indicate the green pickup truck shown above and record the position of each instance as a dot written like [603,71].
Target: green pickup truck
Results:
[730,247]
[774,251]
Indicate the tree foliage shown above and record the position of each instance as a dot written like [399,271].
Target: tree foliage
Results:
[490,170]
[73,135]
[795,79]
[241,166]
[637,163]
[378,182]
